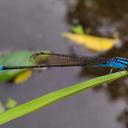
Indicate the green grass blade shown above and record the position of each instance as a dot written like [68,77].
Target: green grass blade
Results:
[45,100]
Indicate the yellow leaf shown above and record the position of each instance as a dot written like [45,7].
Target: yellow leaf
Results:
[92,42]
[22,77]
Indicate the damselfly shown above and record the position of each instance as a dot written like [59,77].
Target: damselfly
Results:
[43,59]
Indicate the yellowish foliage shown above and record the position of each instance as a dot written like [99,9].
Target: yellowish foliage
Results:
[92,42]
[22,77]
[11,103]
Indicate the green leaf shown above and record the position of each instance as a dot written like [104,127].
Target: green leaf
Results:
[11,103]
[78,29]
[15,58]
[45,100]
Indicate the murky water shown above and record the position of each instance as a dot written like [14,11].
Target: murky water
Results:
[37,25]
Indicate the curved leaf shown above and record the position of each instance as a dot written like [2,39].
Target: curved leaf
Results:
[99,44]
[45,100]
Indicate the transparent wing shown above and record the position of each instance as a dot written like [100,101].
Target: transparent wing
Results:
[54,59]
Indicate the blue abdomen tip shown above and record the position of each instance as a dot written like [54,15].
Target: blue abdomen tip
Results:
[1,67]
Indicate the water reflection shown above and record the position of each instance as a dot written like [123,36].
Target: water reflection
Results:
[102,17]
[105,18]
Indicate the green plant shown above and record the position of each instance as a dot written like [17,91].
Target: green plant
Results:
[45,100]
